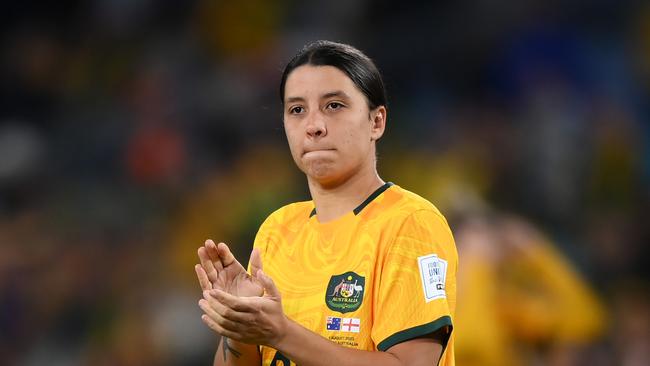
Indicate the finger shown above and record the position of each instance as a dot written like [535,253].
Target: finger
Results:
[213,253]
[217,318]
[269,286]
[226,312]
[241,304]
[207,265]
[255,261]
[226,256]
[204,281]
[219,329]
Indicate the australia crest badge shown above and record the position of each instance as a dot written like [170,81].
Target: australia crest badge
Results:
[345,292]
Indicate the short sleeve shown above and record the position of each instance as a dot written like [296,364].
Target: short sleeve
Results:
[416,293]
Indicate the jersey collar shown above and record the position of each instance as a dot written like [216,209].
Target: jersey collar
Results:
[365,203]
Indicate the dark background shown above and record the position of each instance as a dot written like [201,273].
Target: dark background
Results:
[132,130]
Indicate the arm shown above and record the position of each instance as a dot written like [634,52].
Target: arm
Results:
[260,320]
[578,315]
[219,269]
[300,344]
[233,353]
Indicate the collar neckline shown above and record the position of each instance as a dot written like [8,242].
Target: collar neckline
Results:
[367,201]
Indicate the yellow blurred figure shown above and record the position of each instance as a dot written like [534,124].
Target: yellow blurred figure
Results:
[520,300]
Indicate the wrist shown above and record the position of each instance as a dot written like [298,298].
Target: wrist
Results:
[283,337]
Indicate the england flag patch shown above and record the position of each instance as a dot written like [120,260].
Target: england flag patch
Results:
[433,272]
[351,325]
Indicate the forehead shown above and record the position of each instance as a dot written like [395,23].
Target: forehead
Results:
[314,81]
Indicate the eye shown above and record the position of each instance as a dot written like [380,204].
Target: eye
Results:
[335,105]
[296,110]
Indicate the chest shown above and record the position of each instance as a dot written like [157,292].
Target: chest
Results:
[304,263]
[328,279]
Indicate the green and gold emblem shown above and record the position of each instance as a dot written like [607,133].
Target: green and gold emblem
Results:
[345,292]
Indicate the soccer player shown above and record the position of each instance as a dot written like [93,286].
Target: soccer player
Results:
[365,273]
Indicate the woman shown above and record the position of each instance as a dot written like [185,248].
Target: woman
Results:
[364,274]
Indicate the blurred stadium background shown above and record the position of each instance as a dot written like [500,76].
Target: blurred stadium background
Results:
[132,130]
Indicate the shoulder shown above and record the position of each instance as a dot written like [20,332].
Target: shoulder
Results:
[402,205]
[420,229]
[414,201]
[404,215]
[291,215]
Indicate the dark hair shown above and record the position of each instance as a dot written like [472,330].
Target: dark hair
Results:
[357,66]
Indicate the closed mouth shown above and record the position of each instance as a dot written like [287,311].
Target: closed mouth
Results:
[316,150]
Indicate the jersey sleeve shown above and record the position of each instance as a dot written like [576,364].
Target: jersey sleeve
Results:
[417,286]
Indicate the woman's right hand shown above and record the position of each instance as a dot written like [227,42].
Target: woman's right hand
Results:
[219,269]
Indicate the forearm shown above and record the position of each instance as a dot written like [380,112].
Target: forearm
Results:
[233,353]
[260,320]
[306,348]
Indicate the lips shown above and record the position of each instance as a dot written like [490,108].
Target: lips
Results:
[311,150]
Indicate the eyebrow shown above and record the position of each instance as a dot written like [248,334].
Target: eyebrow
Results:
[335,93]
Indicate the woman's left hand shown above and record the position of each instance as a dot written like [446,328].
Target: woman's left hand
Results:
[253,320]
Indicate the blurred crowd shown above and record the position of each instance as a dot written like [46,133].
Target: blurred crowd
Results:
[131,131]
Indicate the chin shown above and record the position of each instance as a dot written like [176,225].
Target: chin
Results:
[326,175]
[321,170]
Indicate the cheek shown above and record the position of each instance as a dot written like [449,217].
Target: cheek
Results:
[355,145]
[290,132]
[291,140]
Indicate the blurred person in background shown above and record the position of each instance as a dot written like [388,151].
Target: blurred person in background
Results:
[522,301]
[363,274]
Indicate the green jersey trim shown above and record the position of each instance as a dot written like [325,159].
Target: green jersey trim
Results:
[418,331]
[365,203]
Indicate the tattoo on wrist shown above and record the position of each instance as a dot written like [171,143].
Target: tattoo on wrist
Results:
[226,348]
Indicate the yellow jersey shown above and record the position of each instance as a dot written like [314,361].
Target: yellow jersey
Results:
[380,275]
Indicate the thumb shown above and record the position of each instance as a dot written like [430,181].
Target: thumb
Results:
[270,290]
[255,262]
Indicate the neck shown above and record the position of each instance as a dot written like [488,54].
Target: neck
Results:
[333,202]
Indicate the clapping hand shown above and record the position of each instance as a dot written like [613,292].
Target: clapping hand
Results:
[220,270]
[236,304]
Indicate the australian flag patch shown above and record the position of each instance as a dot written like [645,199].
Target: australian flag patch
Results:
[333,323]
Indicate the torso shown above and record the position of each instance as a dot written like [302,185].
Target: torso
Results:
[330,275]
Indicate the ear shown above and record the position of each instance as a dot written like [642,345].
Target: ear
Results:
[378,119]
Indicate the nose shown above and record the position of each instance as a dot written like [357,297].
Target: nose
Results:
[316,126]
